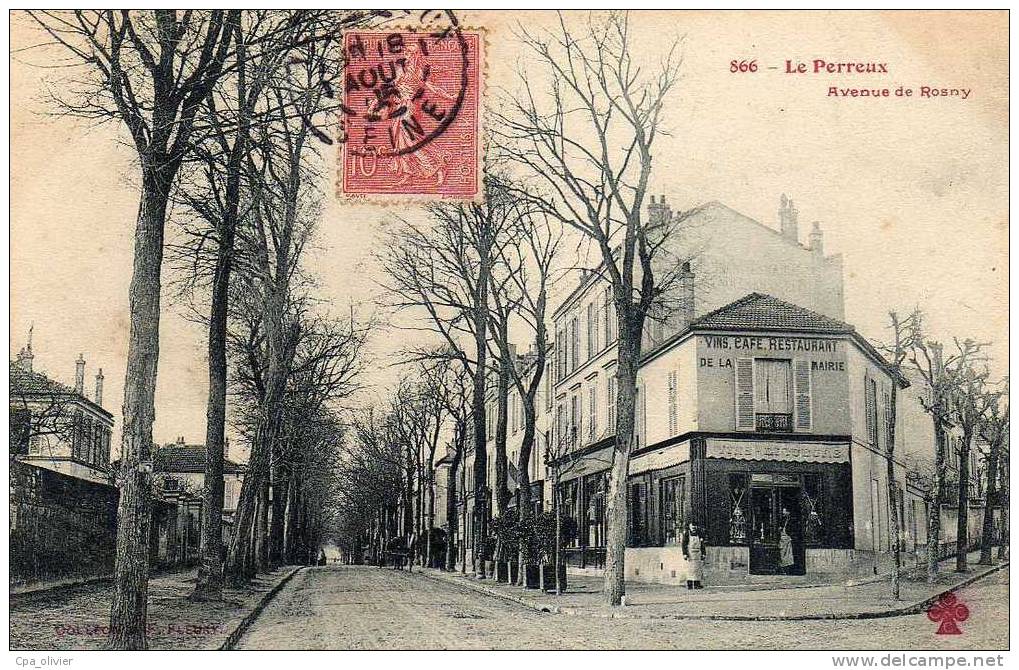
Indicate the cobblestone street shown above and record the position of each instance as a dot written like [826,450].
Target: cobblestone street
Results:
[339,607]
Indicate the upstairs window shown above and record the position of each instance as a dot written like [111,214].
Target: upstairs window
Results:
[773,403]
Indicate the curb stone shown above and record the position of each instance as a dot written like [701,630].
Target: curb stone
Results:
[481,588]
[914,608]
[249,618]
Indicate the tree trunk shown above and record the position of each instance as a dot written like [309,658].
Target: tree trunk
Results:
[419,508]
[934,512]
[524,501]
[128,612]
[277,524]
[452,520]
[290,532]
[558,557]
[262,535]
[430,515]
[210,571]
[990,498]
[893,493]
[962,523]
[463,499]
[502,493]
[626,403]
[1003,496]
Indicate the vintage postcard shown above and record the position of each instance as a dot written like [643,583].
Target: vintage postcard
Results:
[388,329]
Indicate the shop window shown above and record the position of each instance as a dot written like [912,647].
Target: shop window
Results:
[596,486]
[637,528]
[570,504]
[813,512]
[673,510]
[738,492]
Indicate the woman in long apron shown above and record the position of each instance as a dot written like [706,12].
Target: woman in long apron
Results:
[694,553]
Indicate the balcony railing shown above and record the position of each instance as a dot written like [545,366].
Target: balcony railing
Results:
[774,423]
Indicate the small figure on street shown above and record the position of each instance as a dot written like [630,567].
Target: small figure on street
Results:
[785,546]
[694,553]
[321,557]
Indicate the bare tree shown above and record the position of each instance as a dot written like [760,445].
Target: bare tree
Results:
[969,402]
[994,431]
[896,350]
[588,143]
[529,267]
[445,272]
[926,358]
[212,189]
[151,71]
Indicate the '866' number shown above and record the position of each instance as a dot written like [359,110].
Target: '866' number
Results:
[743,65]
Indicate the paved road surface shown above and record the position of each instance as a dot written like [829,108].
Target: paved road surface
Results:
[340,607]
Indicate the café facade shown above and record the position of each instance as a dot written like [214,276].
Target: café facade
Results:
[763,422]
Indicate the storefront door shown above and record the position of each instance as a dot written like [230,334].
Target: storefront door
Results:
[776,537]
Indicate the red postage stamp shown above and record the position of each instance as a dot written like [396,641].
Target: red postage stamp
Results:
[411,114]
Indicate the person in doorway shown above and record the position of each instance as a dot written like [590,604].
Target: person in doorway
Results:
[694,553]
[785,545]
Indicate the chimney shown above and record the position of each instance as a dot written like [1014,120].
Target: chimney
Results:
[25,356]
[817,240]
[180,440]
[658,212]
[79,375]
[686,295]
[99,388]
[787,218]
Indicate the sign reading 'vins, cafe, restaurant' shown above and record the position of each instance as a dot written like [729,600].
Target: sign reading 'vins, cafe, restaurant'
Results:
[758,343]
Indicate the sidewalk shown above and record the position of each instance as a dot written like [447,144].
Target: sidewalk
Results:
[76,617]
[727,603]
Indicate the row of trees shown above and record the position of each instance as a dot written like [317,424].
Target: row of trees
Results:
[956,390]
[574,159]
[223,110]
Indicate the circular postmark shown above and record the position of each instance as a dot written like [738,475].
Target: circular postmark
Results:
[402,89]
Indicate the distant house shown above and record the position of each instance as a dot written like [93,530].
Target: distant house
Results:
[57,427]
[181,466]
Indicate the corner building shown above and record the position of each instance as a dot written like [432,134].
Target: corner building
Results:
[758,411]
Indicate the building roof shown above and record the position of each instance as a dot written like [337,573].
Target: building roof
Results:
[759,311]
[764,313]
[187,458]
[27,383]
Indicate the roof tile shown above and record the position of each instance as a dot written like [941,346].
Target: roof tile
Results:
[759,311]
[187,458]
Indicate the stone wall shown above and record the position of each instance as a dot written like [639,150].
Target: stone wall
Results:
[61,527]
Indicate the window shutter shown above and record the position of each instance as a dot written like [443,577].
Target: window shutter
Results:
[673,428]
[870,409]
[595,329]
[801,391]
[610,403]
[592,410]
[744,394]
[887,400]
